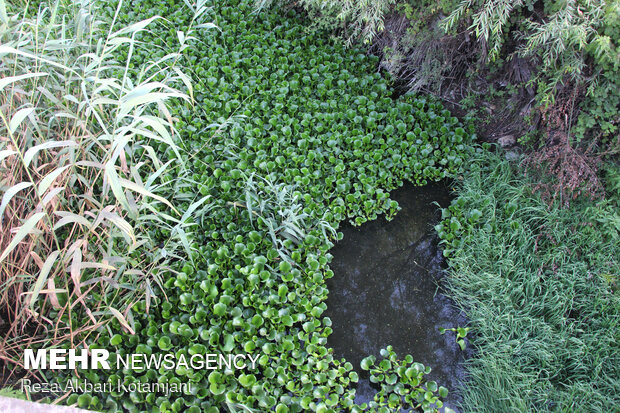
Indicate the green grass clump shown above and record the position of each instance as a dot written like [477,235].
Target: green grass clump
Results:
[285,136]
[539,285]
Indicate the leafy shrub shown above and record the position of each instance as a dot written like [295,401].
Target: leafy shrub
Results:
[576,42]
[568,30]
[539,286]
[599,110]
[289,136]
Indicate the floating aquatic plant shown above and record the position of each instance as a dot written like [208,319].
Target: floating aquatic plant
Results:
[288,135]
[402,384]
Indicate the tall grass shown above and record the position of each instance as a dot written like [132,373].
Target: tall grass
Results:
[540,286]
[82,185]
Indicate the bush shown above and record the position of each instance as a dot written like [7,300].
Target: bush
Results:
[574,45]
[576,42]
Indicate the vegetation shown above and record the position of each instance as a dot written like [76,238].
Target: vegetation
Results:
[563,35]
[174,175]
[227,200]
[461,333]
[570,31]
[540,288]
[402,384]
[358,19]
[556,63]
[81,181]
[570,34]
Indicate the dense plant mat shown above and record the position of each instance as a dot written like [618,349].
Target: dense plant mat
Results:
[540,287]
[288,135]
[549,47]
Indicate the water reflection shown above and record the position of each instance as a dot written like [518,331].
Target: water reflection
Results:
[387,290]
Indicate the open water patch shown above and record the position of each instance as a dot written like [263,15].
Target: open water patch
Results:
[387,290]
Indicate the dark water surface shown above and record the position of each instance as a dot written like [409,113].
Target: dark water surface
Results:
[387,290]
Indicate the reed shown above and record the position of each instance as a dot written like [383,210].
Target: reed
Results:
[81,183]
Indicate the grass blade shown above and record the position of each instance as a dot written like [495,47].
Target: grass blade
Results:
[193,207]
[115,185]
[121,224]
[121,319]
[50,178]
[142,190]
[18,118]
[23,231]
[71,218]
[10,193]
[12,79]
[6,153]
[30,153]
[42,279]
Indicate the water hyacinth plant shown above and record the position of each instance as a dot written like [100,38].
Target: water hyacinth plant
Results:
[289,136]
[402,383]
[461,333]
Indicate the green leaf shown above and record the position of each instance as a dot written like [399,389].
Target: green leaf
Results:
[367,362]
[26,229]
[229,343]
[10,193]
[135,27]
[50,178]
[143,191]
[219,309]
[4,82]
[115,184]
[186,81]
[432,386]
[43,274]
[70,218]
[30,153]
[247,380]
[18,118]
[281,408]
[164,343]
[443,392]
[116,340]
[257,320]
[354,376]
